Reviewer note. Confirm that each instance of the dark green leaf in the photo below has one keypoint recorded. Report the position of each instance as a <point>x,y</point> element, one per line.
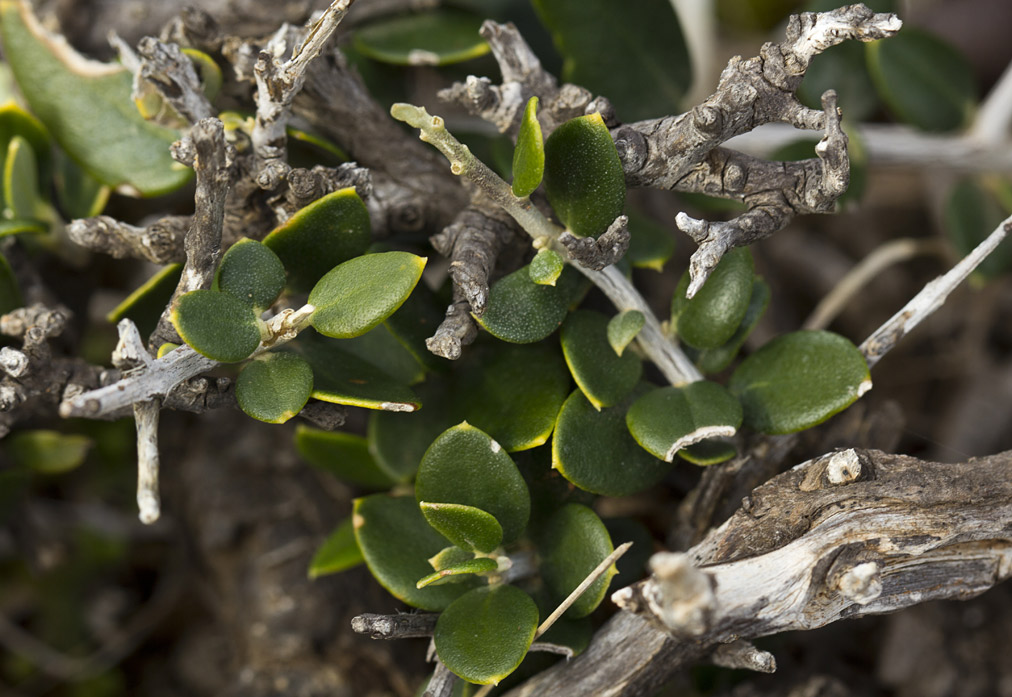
<point>80,195</point>
<point>20,179</point>
<point>604,377</point>
<point>339,552</point>
<point>521,311</point>
<point>322,235</point>
<point>397,543</point>
<point>584,180</point>
<point>529,155</point>
<point>87,106</point>
<point>572,544</point>
<point>623,328</point>
<point>973,210</point>
<point>357,295</point>
<point>345,455</point>
<point>632,566</point>
<point>594,450</point>
<point>484,635</point>
<point>49,452</point>
<point>251,272</point>
<point>398,441</point>
<point>923,80</point>
<point>145,305</point>
<point>274,387</point>
<point>710,318</point>
<point>546,266</point>
<point>464,465</point>
<point>15,121</point>
<point>481,565</point>
<point>634,53</point>
<point>671,418</point>
<point>217,325</point>
<point>10,295</point>
<point>466,527</point>
<point>381,348</point>
<point>415,321</point>
<point>711,451</point>
<point>435,37</point>
<point>717,359</point>
<point>799,380</point>
<point>650,244</point>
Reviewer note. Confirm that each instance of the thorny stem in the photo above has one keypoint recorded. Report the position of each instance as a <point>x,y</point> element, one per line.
<point>675,366</point>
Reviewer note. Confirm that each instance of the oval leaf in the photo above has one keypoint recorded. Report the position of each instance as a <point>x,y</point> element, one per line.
<point>436,37</point>
<point>20,179</point>
<point>345,455</point>
<point>521,311</point>
<point>594,450</point>
<point>484,635</point>
<point>397,543</point>
<point>529,154</point>
<point>584,180</point>
<point>339,552</point>
<point>623,328</point>
<point>717,359</point>
<point>49,452</point>
<point>799,380</point>
<point>711,451</point>
<point>710,318</point>
<point>573,543</point>
<point>481,565</point>
<point>251,272</point>
<point>671,418</point>
<point>327,232</point>
<point>398,441</point>
<point>465,526</point>
<point>357,295</point>
<point>217,325</point>
<point>274,387</point>
<point>546,266</point>
<point>604,377</point>
<point>464,465</point>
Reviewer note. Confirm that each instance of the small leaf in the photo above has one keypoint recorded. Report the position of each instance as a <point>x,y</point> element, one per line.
<point>17,227</point>
<point>207,70</point>
<point>145,305</point>
<point>573,543</point>
<point>484,635</point>
<point>397,543</point>
<point>274,387</point>
<point>623,328</point>
<point>48,452</point>
<point>650,244</point>
<point>710,318</point>
<point>345,455</point>
<point>594,450</point>
<point>15,121</point>
<point>465,526</point>
<point>217,325</point>
<point>521,311</point>
<point>529,154</point>
<point>546,266</point>
<point>923,80</point>
<point>20,179</point>
<point>604,377</point>
<point>711,451</point>
<point>799,380</point>
<point>166,348</point>
<point>436,37</point>
<point>327,232</point>
<point>251,272</point>
<point>671,418</point>
<point>464,465</point>
<point>339,552</point>
<point>481,565</point>
<point>448,557</point>
<point>398,441</point>
<point>973,210</point>
<point>87,107</point>
<point>717,359</point>
<point>10,295</point>
<point>357,295</point>
<point>584,180</point>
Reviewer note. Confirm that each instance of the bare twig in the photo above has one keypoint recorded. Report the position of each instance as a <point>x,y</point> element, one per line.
<point>742,655</point>
<point>442,682</point>
<point>160,242</point>
<point>404,625</point>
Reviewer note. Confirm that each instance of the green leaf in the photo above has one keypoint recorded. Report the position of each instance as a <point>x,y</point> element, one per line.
<point>973,210</point>
<point>710,318</point>
<point>307,150</point>
<point>546,266</point>
<point>623,328</point>
<point>436,37</point>
<point>327,232</point>
<point>449,557</point>
<point>80,195</point>
<point>17,227</point>
<point>251,272</point>
<point>10,295</point>
<point>398,441</point>
<point>415,321</point>
<point>464,465</point>
<point>465,526</point>
<point>217,325</point>
<point>48,452</point>
<point>357,295</point>
<point>529,154</point>
<point>381,348</point>
<point>521,311</point>
<point>339,552</point>
<point>923,80</point>
<point>484,635</point>
<point>20,179</point>
<point>274,387</point>
<point>671,418</point>
<point>345,455</point>
<point>573,543</point>
<point>650,244</point>
<point>145,305</point>
<point>594,450</point>
<point>711,451</point>
<point>717,359</point>
<point>397,543</point>
<point>15,121</point>
<point>481,565</point>
<point>87,107</point>
<point>584,180</point>
<point>799,380</point>
<point>604,377</point>
<point>633,52</point>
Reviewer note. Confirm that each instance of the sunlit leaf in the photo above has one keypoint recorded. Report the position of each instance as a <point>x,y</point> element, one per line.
<point>217,325</point>
<point>20,179</point>
<point>546,266</point>
<point>339,552</point>
<point>529,154</point>
<point>15,121</point>
<point>435,37</point>
<point>274,387</point>
<point>465,526</point>
<point>572,544</point>
<point>668,419</point>
<point>449,574</point>
<point>623,328</point>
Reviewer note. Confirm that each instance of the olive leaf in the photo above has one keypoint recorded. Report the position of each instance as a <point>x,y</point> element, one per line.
<point>274,387</point>
<point>339,552</point>
<point>529,154</point>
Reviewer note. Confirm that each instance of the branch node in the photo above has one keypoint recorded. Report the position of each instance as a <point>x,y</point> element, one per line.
<point>862,583</point>
<point>604,251</point>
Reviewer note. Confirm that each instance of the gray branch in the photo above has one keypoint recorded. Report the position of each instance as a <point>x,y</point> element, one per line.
<point>403,625</point>
<point>166,70</point>
<point>160,242</point>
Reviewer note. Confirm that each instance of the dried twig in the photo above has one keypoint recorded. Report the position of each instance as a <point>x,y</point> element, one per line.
<point>160,242</point>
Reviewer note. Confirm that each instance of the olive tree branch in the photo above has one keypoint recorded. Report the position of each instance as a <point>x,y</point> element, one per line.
<point>675,366</point>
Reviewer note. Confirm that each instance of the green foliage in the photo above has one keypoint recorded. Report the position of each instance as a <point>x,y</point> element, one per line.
<point>584,180</point>
<point>20,179</point>
<point>650,245</point>
<point>45,451</point>
<point>217,325</point>
<point>274,387</point>
<point>603,376</point>
<point>346,456</point>
<point>623,328</point>
<point>339,552</point>
<point>975,207</point>
<point>710,318</point>
<point>546,267</point>
<point>479,565</point>
<point>467,527</point>
<point>144,306</point>
<point>436,37</point>
<point>251,272</point>
<point>572,544</point>
<point>529,154</point>
<point>714,360</point>
<point>522,311</point>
